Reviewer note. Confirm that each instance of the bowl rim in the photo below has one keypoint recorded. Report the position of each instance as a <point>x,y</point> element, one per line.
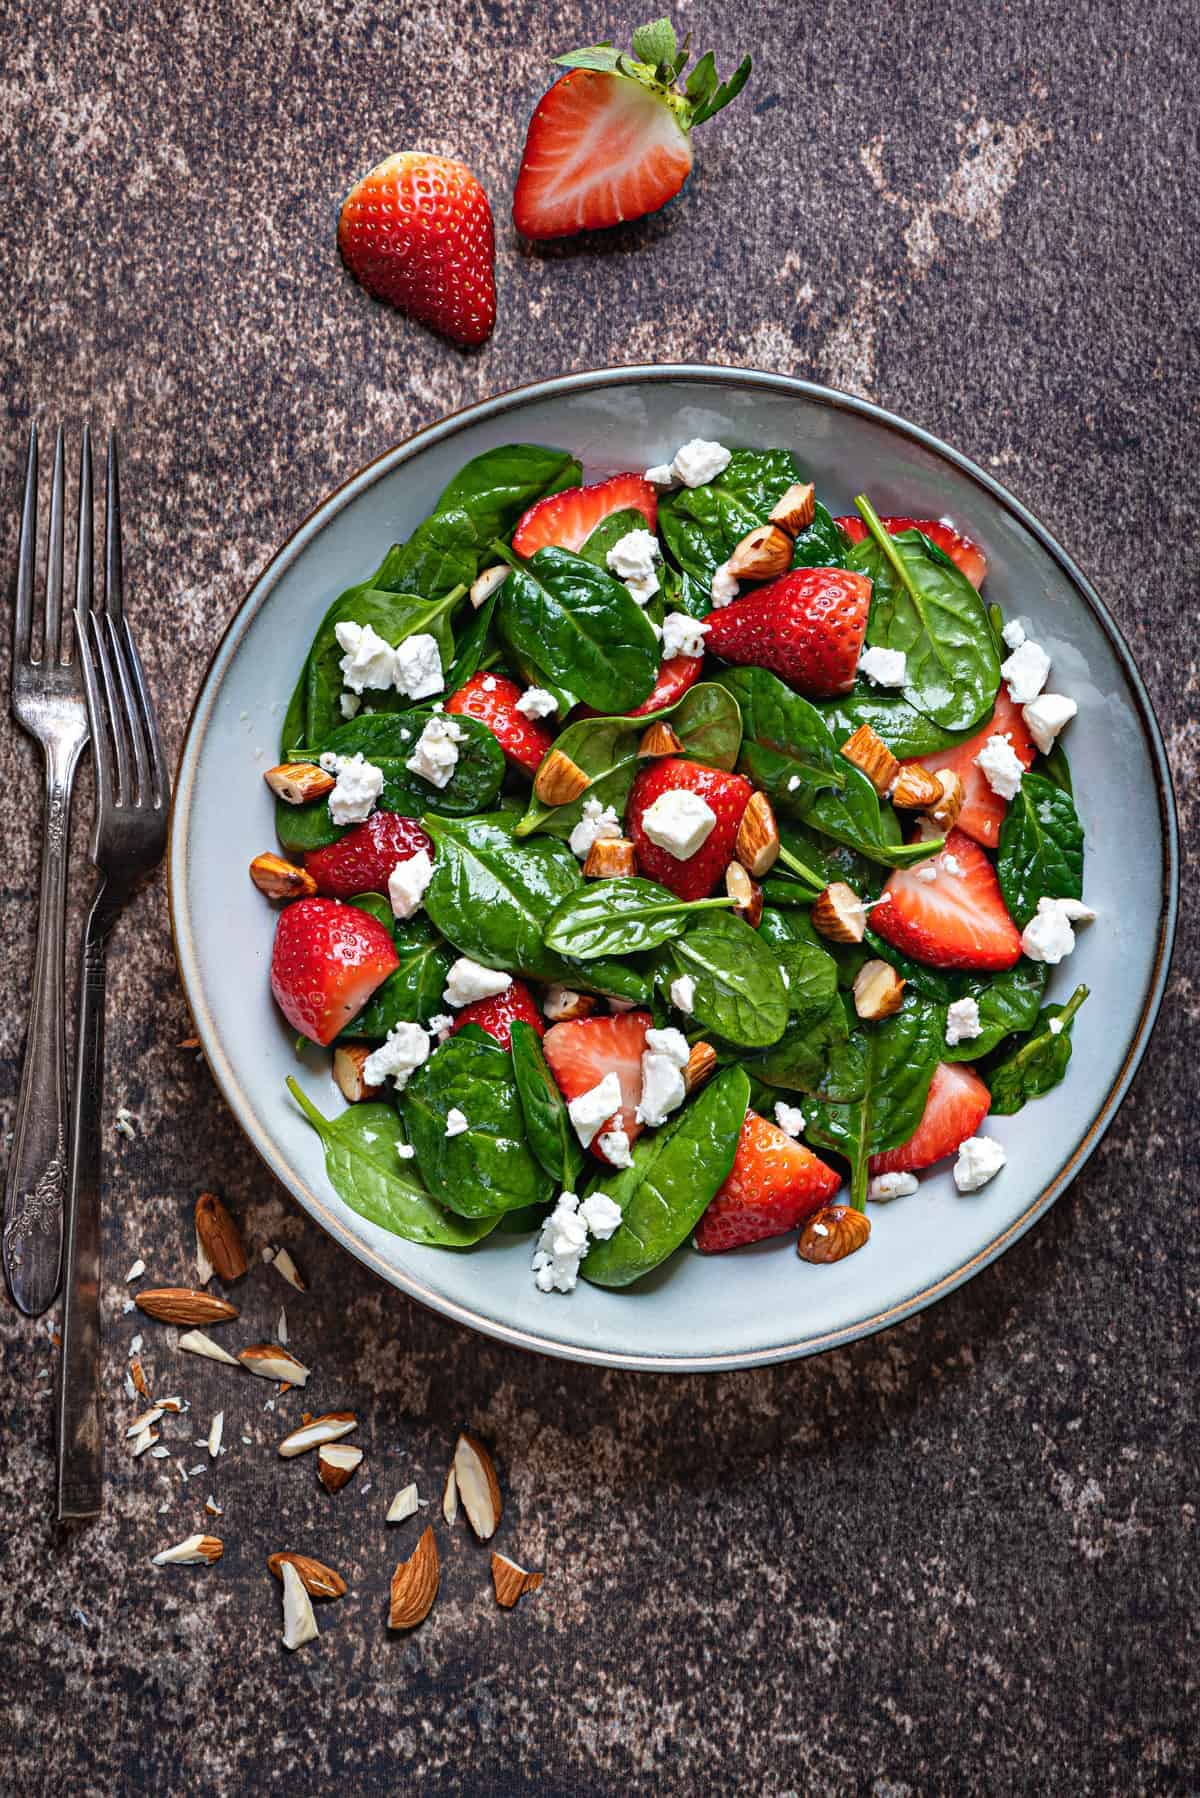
<point>512,400</point>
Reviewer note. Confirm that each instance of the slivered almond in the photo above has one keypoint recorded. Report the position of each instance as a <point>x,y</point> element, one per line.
<point>349,1060</point>
<point>795,508</point>
<point>915,789</point>
<point>336,1463</point>
<point>174,1405</point>
<point>192,1550</point>
<point>279,879</point>
<point>222,1241</point>
<point>415,1584</point>
<point>746,894</point>
<point>867,751</point>
<point>660,739</point>
<point>138,1376</point>
<point>878,991</point>
<point>404,1505</point>
<point>701,1063</point>
<point>833,1233</point>
<point>512,1582</point>
<point>478,1487</point>
<point>144,1439</point>
<point>450,1498</point>
<point>271,1362</point>
<point>315,1431</point>
<point>559,780</point>
<point>144,1421</point>
<point>485,584</point>
<point>286,1268</point>
<point>762,553</point>
<point>318,1580</point>
<point>757,842</point>
<point>561,1004</point>
<point>839,914</point>
<point>299,1623</point>
<point>204,1267</point>
<point>945,812</point>
<point>185,1305</point>
<point>296,783</point>
<point>610,858</point>
<point>195,1342</point>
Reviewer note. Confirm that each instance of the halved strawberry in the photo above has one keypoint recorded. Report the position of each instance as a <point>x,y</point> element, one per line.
<point>966,555</point>
<point>953,921</point>
<point>773,1185</point>
<point>725,794</point>
<point>674,678</point>
<point>327,960</point>
<point>581,1053</point>
<point>957,1104</point>
<point>807,627</point>
<point>983,811</point>
<point>492,698</point>
<point>567,519</point>
<point>362,860</point>
<point>498,1014</point>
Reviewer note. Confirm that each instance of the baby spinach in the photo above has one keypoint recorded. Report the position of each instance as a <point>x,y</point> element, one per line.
<point>925,606</point>
<point>1008,1002</point>
<point>1040,855</point>
<point>491,895</point>
<point>739,991</point>
<point>412,993</point>
<point>822,544</point>
<point>367,1174</point>
<point>548,1128</point>
<point>620,917</point>
<point>800,1060</point>
<point>786,746</point>
<point>906,731</point>
<point>488,1167</point>
<point>1038,1064</point>
<point>472,645</point>
<point>581,625</point>
<point>394,616</point>
<point>812,976</point>
<point>675,1174</point>
<point>897,1058</point>
<point>702,526</point>
<point>1056,768</point>
<point>855,817</point>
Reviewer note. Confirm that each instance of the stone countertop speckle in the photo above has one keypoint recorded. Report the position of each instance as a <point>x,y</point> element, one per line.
<point>958,1557</point>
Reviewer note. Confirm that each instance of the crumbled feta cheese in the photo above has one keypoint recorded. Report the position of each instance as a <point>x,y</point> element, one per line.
<point>1001,766</point>
<point>440,1025</point>
<point>683,993</point>
<point>679,822</point>
<point>1056,1025</point>
<point>359,784</point>
<point>962,1021</point>
<point>601,1214</point>
<point>724,587</point>
<point>598,821</point>
<point>1076,911</point>
<point>535,703</point>
<point>369,660</point>
<point>1025,671</point>
<point>1046,716</point>
<point>891,1186</point>
<point>595,1107</point>
<point>951,865</point>
<point>632,560</point>
<point>405,1151</point>
<point>419,666</point>
<point>663,1060</point>
<point>683,635</point>
<point>407,883</point>
<point>614,1146</point>
<point>790,1118</point>
<point>561,1247</point>
<point>1048,936</point>
<point>885,667</point>
<point>1013,633</point>
<point>402,1051</point>
<point>489,683</point>
<point>699,461</point>
<point>456,1122</point>
<point>436,754</point>
<point>349,704</point>
<point>468,981</point>
<point>330,760</point>
<point>980,1159</point>
<point>926,872</point>
<point>661,475</point>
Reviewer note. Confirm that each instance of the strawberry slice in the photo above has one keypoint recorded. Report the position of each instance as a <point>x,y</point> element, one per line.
<point>953,921</point>
<point>492,698</point>
<point>362,860</point>
<point>966,555</point>
<point>807,627</point>
<point>725,794</point>
<point>498,1014</point>
<point>957,1104</point>
<point>579,1054</point>
<point>327,960</point>
<point>567,519</point>
<point>773,1185</point>
<point>674,678</point>
<point>983,810</point>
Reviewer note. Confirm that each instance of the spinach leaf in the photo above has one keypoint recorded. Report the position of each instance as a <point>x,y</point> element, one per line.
<point>530,671</point>
<point>739,991</point>
<point>702,526</point>
<point>906,731</point>
<point>367,1174</point>
<point>676,1172</point>
<point>412,993</point>
<point>491,895</point>
<point>548,1128</point>
<point>394,616</point>
<point>940,984</point>
<point>1040,855</point>
<point>488,1167</point>
<point>608,532</point>
<point>925,606</point>
<point>786,747</point>
<point>581,625</point>
<point>897,1058</point>
<point>856,818</point>
<point>1056,768</point>
<point>483,501</point>
<point>847,957</point>
<point>823,544</point>
<point>1008,1002</point>
<point>620,917</point>
<point>800,1060</point>
<point>1039,1063</point>
<point>472,646</point>
<point>812,975</point>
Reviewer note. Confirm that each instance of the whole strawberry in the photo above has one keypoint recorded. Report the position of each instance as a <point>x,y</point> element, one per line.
<point>417,231</point>
<point>725,795</point>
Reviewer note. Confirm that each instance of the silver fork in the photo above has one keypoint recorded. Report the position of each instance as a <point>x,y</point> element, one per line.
<point>47,700</point>
<point>128,840</point>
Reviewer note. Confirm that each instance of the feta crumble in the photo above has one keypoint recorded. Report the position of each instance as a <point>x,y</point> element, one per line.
<point>601,1215</point>
<point>980,1159</point>
<point>683,635</point>
<point>891,1186</point>
<point>419,666</point>
<point>405,1151</point>
<point>926,872</point>
<point>661,475</point>
<point>614,1146</point>
<point>1048,936</point>
<point>663,1091</point>
<point>456,1122</point>
<point>561,1247</point>
<point>1056,1025</point>
<point>683,993</point>
<point>699,461</point>
<point>598,821</point>
<point>1013,634</point>
<point>359,784</point>
<point>790,1118</point>
<point>440,1025</point>
<point>402,1051</point>
<point>1001,766</point>
<point>536,703</point>
<point>436,754</point>
<point>468,981</point>
<point>632,560</point>
<point>407,883</point>
<point>884,667</point>
<point>369,660</point>
<point>724,587</point>
<point>349,705</point>
<point>962,1021</point>
<point>951,865</point>
<point>679,822</point>
<point>595,1107</point>
<point>1046,716</point>
<point>1025,671</point>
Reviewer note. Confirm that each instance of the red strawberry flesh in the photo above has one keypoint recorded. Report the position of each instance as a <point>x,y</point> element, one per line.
<point>580,1053</point>
<point>725,794</point>
<point>566,520</point>
<point>957,1104</point>
<point>983,810</point>
<point>807,627</point>
<point>773,1185</point>
<point>362,860</point>
<point>498,1014</point>
<point>492,698</point>
<point>327,960</point>
<point>953,921</point>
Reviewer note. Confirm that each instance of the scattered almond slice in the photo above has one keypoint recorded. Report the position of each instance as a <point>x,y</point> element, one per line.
<point>317,1432</point>
<point>450,1498</point>
<point>336,1462</point>
<point>144,1421</point>
<point>299,1623</point>
<point>195,1342</point>
<point>478,1487</point>
<point>272,1362</point>
<point>135,1272</point>
<point>281,1329</point>
<point>172,1404</point>
<point>192,1550</point>
<point>319,1581</point>
<point>144,1439</point>
<point>512,1582</point>
<point>138,1376</point>
<point>415,1584</point>
<point>204,1267</point>
<point>213,1508</point>
<point>404,1505</point>
<point>283,1264</point>
<point>216,1430</point>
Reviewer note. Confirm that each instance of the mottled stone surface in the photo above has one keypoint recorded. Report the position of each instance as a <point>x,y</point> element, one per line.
<point>959,1557</point>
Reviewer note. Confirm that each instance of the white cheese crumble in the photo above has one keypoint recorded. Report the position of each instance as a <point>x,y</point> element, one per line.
<point>614,1146</point>
<point>1025,671</point>
<point>790,1118</point>
<point>349,705</point>
<point>951,865</point>
<point>440,1025</point>
<point>601,1215</point>
<point>679,822</point>
<point>891,1186</point>
<point>402,1051</point>
<point>419,666</point>
<point>561,1247</point>
<point>1048,936</point>
<point>663,1061</point>
<point>369,660</point>
<point>536,703</point>
<point>436,754</point>
<point>962,1021</point>
<point>359,784</point>
<point>407,883</point>
<point>598,821</point>
<point>1046,716</point>
<point>699,461</point>
<point>468,981</point>
<point>595,1107</point>
<point>405,1151</point>
<point>683,635</point>
<point>1056,1025</point>
<point>926,872</point>
<point>1001,766</point>
<point>724,588</point>
<point>456,1122</point>
<point>1013,633</point>
<point>683,993</point>
<point>632,560</point>
<point>661,475</point>
<point>884,667</point>
<point>980,1159</point>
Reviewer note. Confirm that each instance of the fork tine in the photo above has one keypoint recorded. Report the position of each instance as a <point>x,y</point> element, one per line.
<point>131,718</point>
<point>112,705</point>
<point>83,532</point>
<point>27,555</point>
<point>52,627</point>
<point>101,765</point>
<point>158,773</point>
<point>114,602</point>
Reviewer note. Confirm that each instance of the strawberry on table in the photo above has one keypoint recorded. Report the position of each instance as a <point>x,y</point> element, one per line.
<point>773,1185</point>
<point>807,627</point>
<point>492,698</point>
<point>611,140</point>
<point>417,231</point>
<point>726,795</point>
<point>957,1104</point>
<point>956,920</point>
<point>497,1015</point>
<point>327,960</point>
<point>580,1053</point>
<point>966,556</point>
<point>362,860</point>
<point>983,810</point>
<point>567,519</point>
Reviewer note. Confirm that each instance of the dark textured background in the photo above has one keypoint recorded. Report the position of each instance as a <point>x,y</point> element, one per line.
<point>958,1557</point>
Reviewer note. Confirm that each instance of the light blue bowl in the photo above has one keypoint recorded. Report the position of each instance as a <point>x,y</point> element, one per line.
<point>761,1304</point>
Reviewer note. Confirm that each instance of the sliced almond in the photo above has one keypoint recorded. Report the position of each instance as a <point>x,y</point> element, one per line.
<point>336,1464</point>
<point>701,1063</point>
<point>562,1004</point>
<point>216,1430</point>
<point>314,1432</point>
<point>349,1060</point>
<point>485,583</point>
<point>271,1362</point>
<point>299,1623</point>
<point>185,1305</point>
<point>217,1231</point>
<point>762,553</point>
<point>795,508</point>
<point>287,1269</point>
<point>279,879</point>
<point>192,1550</point>
<point>145,1420</point>
<point>878,991</point>
<point>660,739</point>
<point>204,1267</point>
<point>318,1580</point>
<point>915,789</point>
<point>176,1405</point>
<point>833,1233</point>
<point>195,1342</point>
<point>757,842</point>
<point>559,780</point>
<point>145,1438</point>
<point>141,1384</point>
<point>450,1498</point>
<point>610,858</point>
<point>945,813</point>
<point>405,1504</point>
<point>839,914</point>
<point>296,783</point>
<point>746,894</point>
<point>415,1584</point>
<point>512,1582</point>
<point>867,750</point>
<point>478,1487</point>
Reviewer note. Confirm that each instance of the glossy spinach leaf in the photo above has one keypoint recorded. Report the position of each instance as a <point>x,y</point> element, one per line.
<point>676,1172</point>
<point>620,917</point>
<point>906,731</point>
<point>1038,1064</point>
<point>1040,854</point>
<point>1056,768</point>
<point>367,1174</point>
<point>548,1128</point>
<point>491,895</point>
<point>702,526</point>
<point>529,671</point>
<point>786,747</point>
<point>472,645</point>
<point>847,957</point>
<point>823,544</point>
<point>938,984</point>
<point>1008,1003</point>
<point>739,991</point>
<point>855,816</point>
<point>488,1167</point>
<point>800,1060</point>
<point>394,616</point>
<point>412,993</point>
<point>895,1064</point>
<point>582,626</point>
<point>608,532</point>
<point>812,975</point>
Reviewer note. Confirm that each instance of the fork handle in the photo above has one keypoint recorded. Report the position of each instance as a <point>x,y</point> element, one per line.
<point>35,1187</point>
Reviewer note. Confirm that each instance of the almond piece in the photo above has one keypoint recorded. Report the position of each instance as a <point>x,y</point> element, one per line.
<point>299,1623</point>
<point>287,1270</point>
<point>184,1305</point>
<point>349,1060</point>
<point>221,1239</point>
<point>296,783</point>
<point>610,858</point>
<point>195,1342</point>
<point>486,582</point>
<point>946,811</point>
<point>660,739</point>
<point>317,1579</point>
<point>562,1004</point>
<point>279,879</point>
<point>878,991</point>
<point>192,1550</point>
<point>867,751</point>
<point>271,1362</point>
<point>701,1063</point>
<point>762,553</point>
<point>144,1421</point>
<point>336,1463</point>
<point>415,1584</point>
<point>138,1376</point>
<point>450,1498</point>
<point>478,1487</point>
<point>833,1233</point>
<point>316,1431</point>
<point>915,790</point>
<point>405,1504</point>
<point>795,508</point>
<point>746,894</point>
<point>839,914</point>
<point>511,1581</point>
<point>757,842</point>
<point>559,780</point>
